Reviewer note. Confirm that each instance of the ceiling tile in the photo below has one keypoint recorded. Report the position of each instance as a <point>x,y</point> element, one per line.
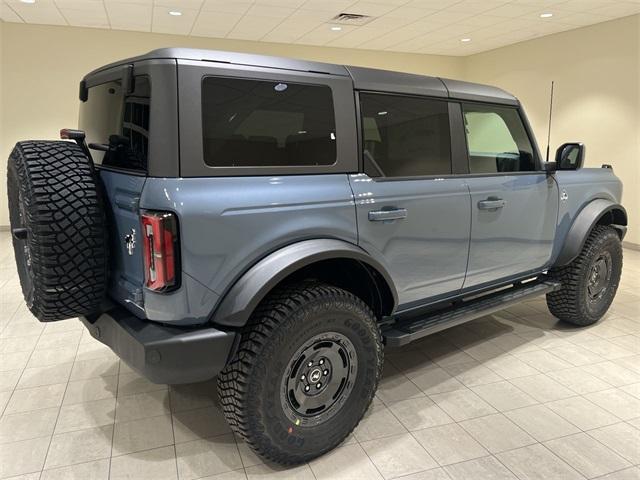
<point>411,13</point>
<point>8,15</point>
<point>251,27</point>
<point>333,6</point>
<point>358,37</point>
<point>215,24</point>
<point>618,9</point>
<point>46,13</point>
<point>95,17</point>
<point>281,3</point>
<point>323,34</point>
<point>239,7</point>
<point>129,16</point>
<point>512,10</point>
<point>421,26</point>
<point>179,4</point>
<point>178,25</point>
<point>369,8</point>
<point>270,11</point>
<point>475,6</point>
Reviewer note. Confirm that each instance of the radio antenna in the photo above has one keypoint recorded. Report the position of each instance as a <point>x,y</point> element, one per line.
<point>550,113</point>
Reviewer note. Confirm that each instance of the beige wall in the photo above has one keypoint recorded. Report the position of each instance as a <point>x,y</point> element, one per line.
<point>596,69</point>
<point>597,94</point>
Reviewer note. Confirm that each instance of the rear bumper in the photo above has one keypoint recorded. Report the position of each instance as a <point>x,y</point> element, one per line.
<point>162,353</point>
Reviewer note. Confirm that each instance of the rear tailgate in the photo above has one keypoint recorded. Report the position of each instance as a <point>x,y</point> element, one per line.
<point>123,192</point>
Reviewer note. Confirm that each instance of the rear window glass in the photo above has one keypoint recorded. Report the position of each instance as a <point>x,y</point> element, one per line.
<point>253,123</point>
<point>117,125</point>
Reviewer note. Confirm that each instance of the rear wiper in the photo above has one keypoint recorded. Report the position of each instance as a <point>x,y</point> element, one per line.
<point>115,141</point>
<point>103,147</point>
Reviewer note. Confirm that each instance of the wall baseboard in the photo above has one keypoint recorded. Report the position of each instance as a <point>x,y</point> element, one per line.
<point>631,246</point>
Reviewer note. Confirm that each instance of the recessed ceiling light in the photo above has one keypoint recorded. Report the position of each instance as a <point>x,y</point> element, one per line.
<point>546,15</point>
<point>383,113</point>
<point>175,13</point>
<point>336,28</point>
<point>28,1</point>
<point>465,40</point>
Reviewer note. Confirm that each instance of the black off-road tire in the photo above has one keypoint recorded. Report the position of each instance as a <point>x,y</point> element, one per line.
<point>251,386</point>
<point>572,303</point>
<point>59,234</point>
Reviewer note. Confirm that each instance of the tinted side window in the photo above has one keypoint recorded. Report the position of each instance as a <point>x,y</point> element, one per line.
<point>497,140</point>
<point>405,136</point>
<point>118,123</point>
<point>251,123</point>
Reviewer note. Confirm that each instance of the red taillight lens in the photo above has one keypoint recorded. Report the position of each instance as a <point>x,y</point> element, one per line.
<point>160,243</point>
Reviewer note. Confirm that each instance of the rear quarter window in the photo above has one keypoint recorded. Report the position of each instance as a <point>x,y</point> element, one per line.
<point>117,124</point>
<point>257,123</point>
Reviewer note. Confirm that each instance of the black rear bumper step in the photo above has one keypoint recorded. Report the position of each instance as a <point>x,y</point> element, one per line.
<point>406,331</point>
<point>162,353</point>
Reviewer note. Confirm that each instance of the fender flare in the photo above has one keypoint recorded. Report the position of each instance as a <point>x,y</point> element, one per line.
<point>584,222</point>
<point>244,296</point>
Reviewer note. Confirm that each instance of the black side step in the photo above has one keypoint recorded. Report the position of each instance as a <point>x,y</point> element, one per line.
<point>405,331</point>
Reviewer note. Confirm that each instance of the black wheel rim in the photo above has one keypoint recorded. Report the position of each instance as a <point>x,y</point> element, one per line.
<point>318,379</point>
<point>599,277</point>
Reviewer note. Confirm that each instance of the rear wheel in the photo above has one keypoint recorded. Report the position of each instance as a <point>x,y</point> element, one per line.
<point>306,370</point>
<point>590,282</point>
<point>58,227</point>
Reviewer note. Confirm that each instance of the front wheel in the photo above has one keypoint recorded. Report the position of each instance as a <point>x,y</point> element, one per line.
<point>590,281</point>
<point>306,370</point>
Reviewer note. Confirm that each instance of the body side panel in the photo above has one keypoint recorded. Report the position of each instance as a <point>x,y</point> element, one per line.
<point>227,224</point>
<point>577,189</point>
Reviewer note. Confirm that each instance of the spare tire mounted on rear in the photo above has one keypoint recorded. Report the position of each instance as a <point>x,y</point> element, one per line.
<point>58,226</point>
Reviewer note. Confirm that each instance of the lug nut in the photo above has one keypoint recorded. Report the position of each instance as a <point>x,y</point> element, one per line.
<point>310,364</point>
<point>306,388</point>
<point>326,372</point>
<point>318,385</point>
<point>321,361</point>
<point>303,377</point>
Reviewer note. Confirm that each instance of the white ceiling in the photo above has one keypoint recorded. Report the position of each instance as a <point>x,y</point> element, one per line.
<point>417,26</point>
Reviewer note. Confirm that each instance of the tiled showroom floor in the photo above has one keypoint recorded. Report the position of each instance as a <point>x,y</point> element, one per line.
<point>513,395</point>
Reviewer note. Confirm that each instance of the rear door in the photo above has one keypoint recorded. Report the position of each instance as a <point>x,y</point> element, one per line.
<point>514,204</point>
<point>413,214</point>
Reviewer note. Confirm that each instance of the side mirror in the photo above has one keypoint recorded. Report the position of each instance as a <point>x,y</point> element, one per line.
<point>570,156</point>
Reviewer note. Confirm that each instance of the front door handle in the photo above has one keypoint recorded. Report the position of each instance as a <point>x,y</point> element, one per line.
<point>491,203</point>
<point>385,215</point>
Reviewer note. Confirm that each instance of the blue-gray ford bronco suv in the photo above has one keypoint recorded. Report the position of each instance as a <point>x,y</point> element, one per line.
<point>276,222</point>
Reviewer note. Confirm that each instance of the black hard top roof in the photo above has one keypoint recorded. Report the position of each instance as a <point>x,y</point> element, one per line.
<point>363,78</point>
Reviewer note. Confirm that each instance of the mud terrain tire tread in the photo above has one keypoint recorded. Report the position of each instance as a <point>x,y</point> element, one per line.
<point>273,318</point>
<point>66,228</point>
<point>569,303</point>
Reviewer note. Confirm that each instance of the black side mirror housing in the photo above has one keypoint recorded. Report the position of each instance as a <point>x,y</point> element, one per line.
<point>570,156</point>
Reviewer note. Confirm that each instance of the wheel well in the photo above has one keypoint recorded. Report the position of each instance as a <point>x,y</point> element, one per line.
<point>615,216</point>
<point>354,276</point>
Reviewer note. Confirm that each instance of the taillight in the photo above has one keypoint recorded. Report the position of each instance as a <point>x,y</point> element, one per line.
<point>160,246</point>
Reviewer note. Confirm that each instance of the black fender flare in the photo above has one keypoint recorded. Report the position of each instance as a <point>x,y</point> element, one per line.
<point>244,296</point>
<point>584,222</point>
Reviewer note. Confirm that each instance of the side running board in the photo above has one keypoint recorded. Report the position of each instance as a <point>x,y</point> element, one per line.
<point>408,330</point>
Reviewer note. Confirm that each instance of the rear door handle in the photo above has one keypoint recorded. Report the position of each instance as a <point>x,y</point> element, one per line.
<point>491,203</point>
<point>384,215</point>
